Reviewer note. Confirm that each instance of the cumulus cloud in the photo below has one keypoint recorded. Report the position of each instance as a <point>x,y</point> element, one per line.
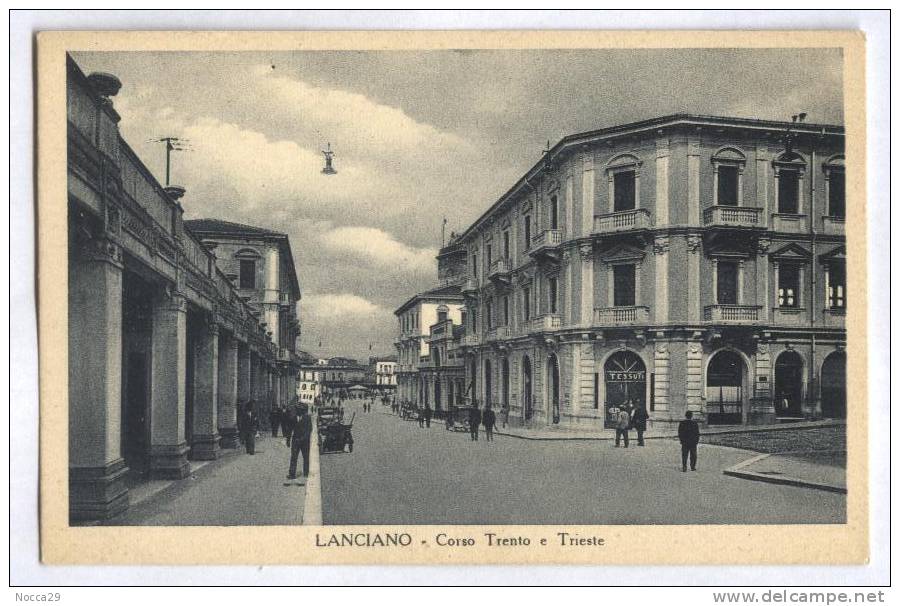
<point>339,305</point>
<point>380,248</point>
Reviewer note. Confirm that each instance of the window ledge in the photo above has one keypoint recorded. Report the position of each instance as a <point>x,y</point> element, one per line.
<point>836,311</point>
<point>790,310</point>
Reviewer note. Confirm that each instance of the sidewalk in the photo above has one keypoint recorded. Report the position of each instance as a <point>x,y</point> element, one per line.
<point>823,471</point>
<point>667,430</point>
<point>236,489</point>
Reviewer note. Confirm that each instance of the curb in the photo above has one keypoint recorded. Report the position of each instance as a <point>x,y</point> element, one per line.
<point>736,471</point>
<point>312,504</point>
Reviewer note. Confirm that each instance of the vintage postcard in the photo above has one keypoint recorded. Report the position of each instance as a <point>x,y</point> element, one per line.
<point>452,297</point>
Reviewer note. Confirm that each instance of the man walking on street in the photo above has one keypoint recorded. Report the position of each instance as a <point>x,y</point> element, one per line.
<point>275,420</point>
<point>250,426</point>
<point>689,436</point>
<point>489,419</point>
<point>623,419</point>
<point>300,436</point>
<point>474,422</point>
<point>427,415</point>
<point>639,421</point>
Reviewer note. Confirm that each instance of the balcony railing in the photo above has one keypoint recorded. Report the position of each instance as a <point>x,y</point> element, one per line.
<point>546,322</point>
<point>284,354</point>
<point>548,237</point>
<point>499,268</point>
<point>469,286</point>
<point>792,224</point>
<point>284,299</point>
<point>497,333</point>
<point>639,218</point>
<point>621,316</point>
<point>733,216</point>
<point>731,313</point>
<point>470,340</point>
<point>833,226</point>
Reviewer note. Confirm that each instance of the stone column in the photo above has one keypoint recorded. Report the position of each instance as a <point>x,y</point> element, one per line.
<point>694,181</point>
<point>662,181</point>
<point>661,292</point>
<point>205,438</point>
<point>96,468</point>
<point>226,415</point>
<point>254,377</point>
<point>587,194</point>
<point>168,448</point>
<point>693,263</point>
<point>244,373</point>
<point>587,284</point>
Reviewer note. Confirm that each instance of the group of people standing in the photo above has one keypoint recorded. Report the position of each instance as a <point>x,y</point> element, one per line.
<point>488,418</point>
<point>631,416</point>
<point>294,422</point>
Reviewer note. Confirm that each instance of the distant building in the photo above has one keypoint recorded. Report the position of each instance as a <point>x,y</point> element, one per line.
<point>334,376</point>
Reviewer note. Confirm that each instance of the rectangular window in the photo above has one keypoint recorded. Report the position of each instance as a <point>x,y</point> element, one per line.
<point>788,286</point>
<point>506,245</point>
<point>489,256</point>
<point>623,191</point>
<point>462,318</point>
<point>526,304</point>
<point>728,185</point>
<point>551,294</point>
<point>248,274</point>
<point>596,391</point>
<point>623,285</point>
<point>489,313</point>
<point>554,213</point>
<point>836,194</point>
<point>475,267</point>
<point>788,192</point>
<point>474,321</point>
<point>726,283</point>
<point>837,286</point>
<point>506,311</point>
<point>527,232</point>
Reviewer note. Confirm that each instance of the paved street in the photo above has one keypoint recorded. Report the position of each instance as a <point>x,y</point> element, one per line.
<point>399,473</point>
<point>235,490</point>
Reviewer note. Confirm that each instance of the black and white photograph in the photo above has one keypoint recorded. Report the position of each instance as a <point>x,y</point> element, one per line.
<point>446,298</point>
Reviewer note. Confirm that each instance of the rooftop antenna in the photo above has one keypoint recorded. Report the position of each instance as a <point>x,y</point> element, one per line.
<point>172,144</point>
<point>329,169</point>
<point>546,153</point>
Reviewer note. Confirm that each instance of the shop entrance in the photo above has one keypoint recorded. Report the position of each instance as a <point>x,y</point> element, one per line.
<point>527,405</point>
<point>789,385</point>
<point>725,389</point>
<point>553,386</point>
<point>626,384</point>
<point>834,386</point>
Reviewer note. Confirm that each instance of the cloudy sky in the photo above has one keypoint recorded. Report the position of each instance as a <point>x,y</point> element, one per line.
<point>418,136</point>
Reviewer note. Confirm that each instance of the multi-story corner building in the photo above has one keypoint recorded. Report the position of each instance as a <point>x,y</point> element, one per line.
<point>442,374</point>
<point>415,318</point>
<point>260,264</point>
<point>384,371</point>
<point>310,384</point>
<point>162,346</point>
<point>333,376</point>
<point>684,263</point>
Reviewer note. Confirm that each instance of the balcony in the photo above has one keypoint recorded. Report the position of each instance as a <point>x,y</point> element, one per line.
<point>284,299</point>
<point>546,244</point>
<point>833,226</point>
<point>499,271</point>
<point>469,287</point>
<point>631,315</point>
<point>790,224</point>
<point>625,220</point>
<point>469,340</point>
<point>284,354</point>
<point>546,322</point>
<point>498,333</point>
<point>731,314</point>
<point>732,216</point>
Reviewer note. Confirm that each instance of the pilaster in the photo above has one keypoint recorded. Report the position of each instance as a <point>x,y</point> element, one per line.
<point>226,416</point>
<point>205,438</point>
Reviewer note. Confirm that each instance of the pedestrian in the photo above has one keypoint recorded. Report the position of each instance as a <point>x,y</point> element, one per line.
<point>489,419</point>
<point>420,416</point>
<point>623,419</point>
<point>639,421</point>
<point>275,420</point>
<point>427,415</point>
<point>474,422</point>
<point>240,421</point>
<point>689,436</point>
<point>286,420</point>
<point>504,414</point>
<point>250,426</point>
<point>300,437</point>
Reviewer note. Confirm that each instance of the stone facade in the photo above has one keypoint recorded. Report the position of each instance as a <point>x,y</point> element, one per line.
<point>162,347</point>
<point>682,263</point>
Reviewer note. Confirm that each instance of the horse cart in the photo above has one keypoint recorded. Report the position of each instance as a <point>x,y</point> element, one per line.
<point>334,434</point>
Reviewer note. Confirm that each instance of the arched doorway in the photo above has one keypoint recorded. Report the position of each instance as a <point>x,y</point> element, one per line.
<point>834,386</point>
<point>504,387</point>
<point>625,378</point>
<point>725,389</point>
<point>553,386</point>
<point>789,385</point>
<point>487,382</point>
<point>527,400</point>
<point>437,394</point>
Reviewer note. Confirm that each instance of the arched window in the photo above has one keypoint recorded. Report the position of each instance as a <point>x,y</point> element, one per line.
<point>624,175</point>
<point>835,187</point>
<point>728,177</point>
<point>790,168</point>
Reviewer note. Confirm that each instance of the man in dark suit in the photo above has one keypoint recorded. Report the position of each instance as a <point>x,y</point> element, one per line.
<point>301,431</point>
<point>489,419</point>
<point>474,422</point>
<point>250,426</point>
<point>689,436</point>
<point>639,418</point>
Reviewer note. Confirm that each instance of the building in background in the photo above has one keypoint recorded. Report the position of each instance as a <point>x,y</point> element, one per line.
<point>384,371</point>
<point>329,377</point>
<point>681,263</point>
<point>260,264</point>
<point>163,346</point>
